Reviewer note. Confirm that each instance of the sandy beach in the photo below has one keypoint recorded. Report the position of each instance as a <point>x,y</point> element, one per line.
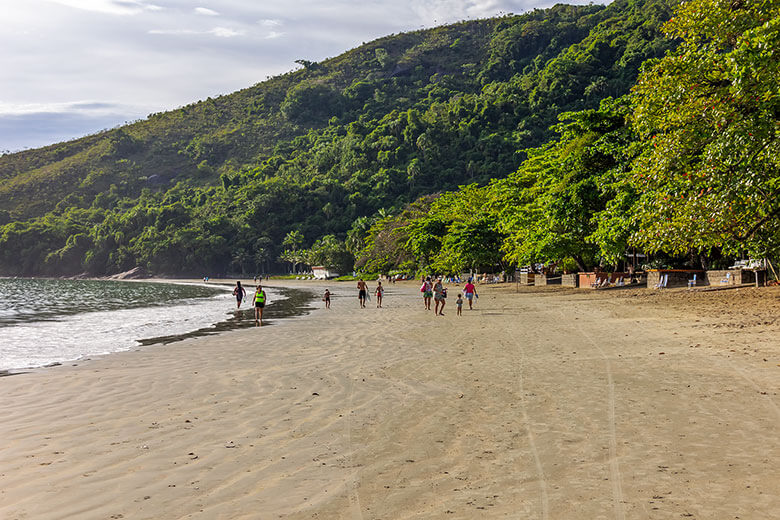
<point>537,404</point>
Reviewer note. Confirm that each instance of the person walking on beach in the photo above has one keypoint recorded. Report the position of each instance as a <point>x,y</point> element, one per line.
<point>326,298</point>
<point>459,303</point>
<point>439,297</point>
<point>362,293</point>
<point>240,294</point>
<point>260,301</point>
<point>427,290</point>
<point>470,292</point>
<point>380,291</point>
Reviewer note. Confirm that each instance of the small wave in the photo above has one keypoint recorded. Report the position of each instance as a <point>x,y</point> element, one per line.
<point>35,339</point>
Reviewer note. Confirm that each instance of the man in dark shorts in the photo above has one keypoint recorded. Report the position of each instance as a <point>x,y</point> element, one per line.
<point>362,292</point>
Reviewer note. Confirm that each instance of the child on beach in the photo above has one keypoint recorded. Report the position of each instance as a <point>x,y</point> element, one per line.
<point>326,299</point>
<point>379,292</point>
<point>459,303</point>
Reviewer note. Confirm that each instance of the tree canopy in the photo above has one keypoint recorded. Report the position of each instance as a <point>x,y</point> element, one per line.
<point>711,110</point>
<point>685,166</point>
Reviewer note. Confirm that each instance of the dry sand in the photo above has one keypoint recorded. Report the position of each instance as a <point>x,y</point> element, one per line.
<point>543,404</point>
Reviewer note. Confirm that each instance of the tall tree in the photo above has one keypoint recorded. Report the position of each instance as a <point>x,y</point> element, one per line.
<point>292,253</point>
<point>711,109</point>
<point>547,207</point>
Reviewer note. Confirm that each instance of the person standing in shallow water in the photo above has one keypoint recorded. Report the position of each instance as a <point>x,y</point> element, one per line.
<point>362,293</point>
<point>326,298</point>
<point>240,293</point>
<point>260,301</point>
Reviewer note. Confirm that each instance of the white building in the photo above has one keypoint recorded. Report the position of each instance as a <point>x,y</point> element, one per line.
<point>323,273</point>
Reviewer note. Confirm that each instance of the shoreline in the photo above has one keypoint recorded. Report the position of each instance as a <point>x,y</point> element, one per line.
<point>293,303</point>
<point>547,404</point>
<point>286,303</point>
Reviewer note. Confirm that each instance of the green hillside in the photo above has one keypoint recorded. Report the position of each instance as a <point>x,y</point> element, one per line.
<point>218,185</point>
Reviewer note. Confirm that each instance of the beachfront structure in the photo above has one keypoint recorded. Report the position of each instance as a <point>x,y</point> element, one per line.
<point>324,273</point>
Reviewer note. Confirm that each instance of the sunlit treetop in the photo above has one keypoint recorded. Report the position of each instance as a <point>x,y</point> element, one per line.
<point>710,115</point>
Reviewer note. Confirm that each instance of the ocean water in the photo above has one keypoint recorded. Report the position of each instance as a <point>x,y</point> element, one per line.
<point>44,321</point>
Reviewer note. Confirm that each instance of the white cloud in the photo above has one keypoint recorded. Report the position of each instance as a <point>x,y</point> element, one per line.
<point>118,7</point>
<point>219,32</point>
<point>39,124</point>
<point>36,108</point>
<point>82,108</point>
<point>173,32</point>
<point>205,11</point>
<point>225,32</point>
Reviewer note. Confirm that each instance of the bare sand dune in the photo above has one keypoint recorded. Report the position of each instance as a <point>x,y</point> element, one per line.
<point>545,405</point>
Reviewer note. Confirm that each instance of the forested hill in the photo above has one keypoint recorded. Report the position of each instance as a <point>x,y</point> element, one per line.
<point>219,184</point>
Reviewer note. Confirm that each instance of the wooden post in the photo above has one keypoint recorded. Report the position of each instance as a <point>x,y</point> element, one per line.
<point>772,268</point>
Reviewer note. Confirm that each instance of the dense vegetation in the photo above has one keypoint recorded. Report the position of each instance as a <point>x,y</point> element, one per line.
<point>349,158</point>
<point>686,167</point>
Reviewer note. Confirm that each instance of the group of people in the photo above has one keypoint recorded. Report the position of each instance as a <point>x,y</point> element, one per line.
<point>362,288</point>
<point>260,299</point>
<point>431,290</point>
<point>435,290</point>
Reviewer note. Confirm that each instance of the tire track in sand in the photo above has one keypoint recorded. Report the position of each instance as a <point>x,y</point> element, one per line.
<point>352,483</point>
<point>540,475</point>
<point>614,467</point>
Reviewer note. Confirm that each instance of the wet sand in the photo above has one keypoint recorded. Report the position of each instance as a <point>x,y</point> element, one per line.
<point>548,404</point>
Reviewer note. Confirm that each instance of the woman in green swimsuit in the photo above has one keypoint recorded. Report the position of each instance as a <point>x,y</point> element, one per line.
<point>260,301</point>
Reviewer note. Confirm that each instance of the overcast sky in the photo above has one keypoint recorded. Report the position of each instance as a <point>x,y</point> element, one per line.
<point>73,67</point>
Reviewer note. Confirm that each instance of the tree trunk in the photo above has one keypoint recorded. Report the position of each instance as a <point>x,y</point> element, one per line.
<point>580,263</point>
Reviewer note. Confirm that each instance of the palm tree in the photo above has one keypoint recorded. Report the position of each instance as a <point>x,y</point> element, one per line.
<point>292,243</point>
<point>293,240</point>
<point>240,258</point>
<point>356,236</point>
